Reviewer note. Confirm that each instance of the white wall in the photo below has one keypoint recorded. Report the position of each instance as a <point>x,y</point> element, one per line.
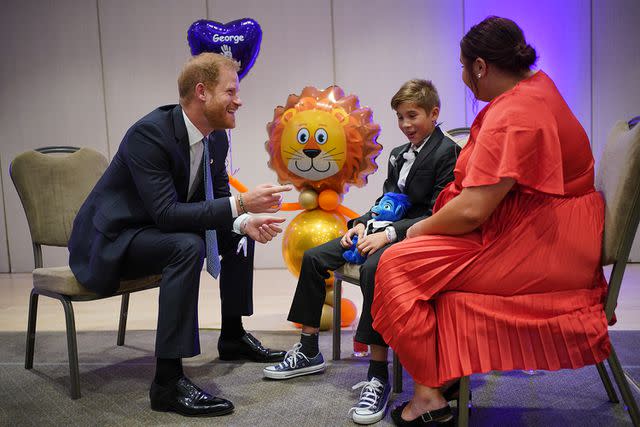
<point>79,72</point>
<point>51,87</point>
<point>616,71</point>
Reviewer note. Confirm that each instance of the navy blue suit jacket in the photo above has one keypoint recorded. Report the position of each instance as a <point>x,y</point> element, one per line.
<point>145,185</point>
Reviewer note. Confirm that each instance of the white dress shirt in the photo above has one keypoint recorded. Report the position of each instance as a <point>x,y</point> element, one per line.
<point>196,150</point>
<point>410,157</point>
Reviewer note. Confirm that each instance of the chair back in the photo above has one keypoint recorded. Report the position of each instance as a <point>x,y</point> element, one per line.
<point>459,135</point>
<point>618,179</point>
<point>52,183</point>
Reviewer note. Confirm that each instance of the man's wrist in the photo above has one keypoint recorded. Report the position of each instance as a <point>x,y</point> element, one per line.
<point>241,207</point>
<point>240,224</point>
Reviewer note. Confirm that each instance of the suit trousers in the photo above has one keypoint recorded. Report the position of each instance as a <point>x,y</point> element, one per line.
<point>306,307</point>
<point>179,257</point>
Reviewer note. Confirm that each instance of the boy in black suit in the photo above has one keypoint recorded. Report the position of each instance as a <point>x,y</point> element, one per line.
<point>420,169</point>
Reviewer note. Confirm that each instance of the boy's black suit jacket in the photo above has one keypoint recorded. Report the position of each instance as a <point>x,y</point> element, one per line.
<point>430,173</point>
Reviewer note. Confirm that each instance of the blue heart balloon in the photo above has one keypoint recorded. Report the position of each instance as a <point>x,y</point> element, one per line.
<point>239,39</point>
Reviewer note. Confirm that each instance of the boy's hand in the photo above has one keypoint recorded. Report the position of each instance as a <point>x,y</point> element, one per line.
<point>346,242</point>
<point>371,243</point>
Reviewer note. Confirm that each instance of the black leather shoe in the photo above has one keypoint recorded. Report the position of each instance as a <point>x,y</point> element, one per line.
<point>440,417</point>
<point>248,347</point>
<point>187,399</point>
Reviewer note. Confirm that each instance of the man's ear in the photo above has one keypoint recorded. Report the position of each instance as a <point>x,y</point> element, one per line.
<point>200,92</point>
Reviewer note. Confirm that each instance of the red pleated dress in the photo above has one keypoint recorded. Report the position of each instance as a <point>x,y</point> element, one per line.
<point>525,290</point>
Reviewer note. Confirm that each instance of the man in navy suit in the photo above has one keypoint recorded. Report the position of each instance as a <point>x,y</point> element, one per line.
<point>148,215</point>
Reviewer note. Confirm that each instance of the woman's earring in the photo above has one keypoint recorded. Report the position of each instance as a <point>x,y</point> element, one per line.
<point>479,75</point>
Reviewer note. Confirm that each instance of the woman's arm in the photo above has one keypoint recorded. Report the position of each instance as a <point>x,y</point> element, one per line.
<point>466,212</point>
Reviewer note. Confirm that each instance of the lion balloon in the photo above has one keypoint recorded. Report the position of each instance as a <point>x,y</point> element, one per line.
<point>321,142</point>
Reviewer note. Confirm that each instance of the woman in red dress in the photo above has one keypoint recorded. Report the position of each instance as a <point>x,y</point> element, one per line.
<point>519,230</point>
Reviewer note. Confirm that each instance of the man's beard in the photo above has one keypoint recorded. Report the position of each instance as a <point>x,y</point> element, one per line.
<point>217,117</point>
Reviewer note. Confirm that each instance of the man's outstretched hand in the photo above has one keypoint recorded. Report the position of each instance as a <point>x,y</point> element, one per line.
<point>265,198</point>
<point>263,228</point>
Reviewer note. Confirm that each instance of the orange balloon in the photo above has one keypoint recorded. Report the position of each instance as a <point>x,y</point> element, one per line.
<point>328,200</point>
<point>348,312</point>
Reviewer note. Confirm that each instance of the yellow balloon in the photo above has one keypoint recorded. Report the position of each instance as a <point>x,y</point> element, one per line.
<point>308,199</point>
<point>308,230</point>
<point>328,299</point>
<point>326,319</point>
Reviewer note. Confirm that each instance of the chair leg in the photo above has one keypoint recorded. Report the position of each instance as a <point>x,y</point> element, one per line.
<point>72,346</point>
<point>31,329</point>
<point>463,402</point>
<point>606,381</point>
<point>397,374</point>
<point>623,386</point>
<point>122,324</point>
<point>337,294</point>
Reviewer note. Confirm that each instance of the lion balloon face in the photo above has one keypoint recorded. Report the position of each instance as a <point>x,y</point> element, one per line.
<point>323,140</point>
<point>314,143</point>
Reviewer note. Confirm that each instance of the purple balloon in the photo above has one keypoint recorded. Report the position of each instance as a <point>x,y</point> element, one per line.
<point>239,39</point>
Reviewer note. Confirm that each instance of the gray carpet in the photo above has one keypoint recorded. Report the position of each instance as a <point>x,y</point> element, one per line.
<point>115,382</point>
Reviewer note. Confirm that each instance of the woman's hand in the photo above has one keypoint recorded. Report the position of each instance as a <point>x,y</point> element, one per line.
<point>346,241</point>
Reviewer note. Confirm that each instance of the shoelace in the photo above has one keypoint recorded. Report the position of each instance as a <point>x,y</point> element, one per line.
<point>292,356</point>
<point>371,392</point>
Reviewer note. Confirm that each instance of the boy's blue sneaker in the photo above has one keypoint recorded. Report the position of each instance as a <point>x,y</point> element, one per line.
<point>373,401</point>
<point>295,364</point>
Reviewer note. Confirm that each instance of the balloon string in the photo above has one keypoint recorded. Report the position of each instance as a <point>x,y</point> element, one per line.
<point>235,183</point>
<point>347,212</point>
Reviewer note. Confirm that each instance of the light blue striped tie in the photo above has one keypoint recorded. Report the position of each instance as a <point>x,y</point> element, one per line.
<point>213,258</point>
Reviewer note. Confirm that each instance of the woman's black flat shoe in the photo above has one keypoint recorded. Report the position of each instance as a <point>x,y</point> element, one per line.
<point>440,417</point>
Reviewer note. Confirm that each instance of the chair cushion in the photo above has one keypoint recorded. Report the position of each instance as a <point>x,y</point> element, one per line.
<point>62,281</point>
<point>350,271</point>
<point>618,179</point>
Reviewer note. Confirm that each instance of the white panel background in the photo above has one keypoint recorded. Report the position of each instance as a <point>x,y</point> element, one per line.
<point>51,74</point>
<point>616,71</point>
<point>143,50</point>
<point>55,54</point>
<point>559,31</point>
<point>295,52</point>
<point>379,46</point>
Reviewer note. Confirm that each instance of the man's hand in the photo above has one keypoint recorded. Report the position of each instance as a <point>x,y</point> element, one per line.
<point>346,241</point>
<point>262,228</point>
<point>265,198</point>
<point>370,243</point>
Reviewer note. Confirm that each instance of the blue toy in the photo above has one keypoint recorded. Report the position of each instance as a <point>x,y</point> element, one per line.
<point>390,208</point>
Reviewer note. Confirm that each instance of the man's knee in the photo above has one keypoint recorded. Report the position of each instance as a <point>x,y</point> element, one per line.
<point>189,246</point>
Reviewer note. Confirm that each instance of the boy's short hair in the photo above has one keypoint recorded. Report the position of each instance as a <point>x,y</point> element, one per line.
<point>419,91</point>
